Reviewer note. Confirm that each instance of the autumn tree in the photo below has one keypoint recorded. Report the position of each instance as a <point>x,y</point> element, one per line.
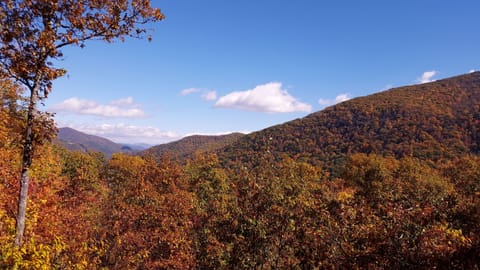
<point>276,220</point>
<point>214,212</point>
<point>81,201</point>
<point>464,173</point>
<point>32,35</point>
<point>402,214</point>
<point>146,222</point>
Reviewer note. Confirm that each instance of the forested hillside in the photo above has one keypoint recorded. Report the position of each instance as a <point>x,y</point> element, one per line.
<point>406,194</point>
<point>189,146</point>
<point>79,141</point>
<point>428,121</point>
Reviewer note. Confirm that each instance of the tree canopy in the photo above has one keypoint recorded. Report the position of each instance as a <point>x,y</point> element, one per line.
<point>32,34</point>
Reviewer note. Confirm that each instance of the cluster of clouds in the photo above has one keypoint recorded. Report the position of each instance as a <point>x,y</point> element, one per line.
<point>268,98</point>
<point>271,97</point>
<point>121,108</point>
<point>123,133</point>
<point>125,108</point>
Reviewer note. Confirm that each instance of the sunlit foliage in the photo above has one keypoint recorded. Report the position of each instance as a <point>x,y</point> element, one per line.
<point>270,210</point>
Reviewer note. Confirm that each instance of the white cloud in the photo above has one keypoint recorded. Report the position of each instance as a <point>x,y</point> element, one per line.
<point>189,91</point>
<point>340,98</point>
<point>205,94</point>
<point>387,87</point>
<point>123,133</point>
<point>209,96</point>
<point>427,76</point>
<point>121,108</point>
<point>471,71</point>
<point>123,102</point>
<point>216,133</point>
<point>268,97</point>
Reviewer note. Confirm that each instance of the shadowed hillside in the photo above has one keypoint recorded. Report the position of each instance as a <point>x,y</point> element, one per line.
<point>429,121</point>
<point>79,141</point>
<point>188,146</point>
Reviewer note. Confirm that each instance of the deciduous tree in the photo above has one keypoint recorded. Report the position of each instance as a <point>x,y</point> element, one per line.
<point>32,34</point>
<point>147,215</point>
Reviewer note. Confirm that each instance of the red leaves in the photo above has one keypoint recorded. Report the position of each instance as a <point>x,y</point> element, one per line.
<point>148,214</point>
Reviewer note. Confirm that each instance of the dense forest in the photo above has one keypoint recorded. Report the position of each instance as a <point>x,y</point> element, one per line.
<point>433,121</point>
<point>187,147</point>
<point>390,180</point>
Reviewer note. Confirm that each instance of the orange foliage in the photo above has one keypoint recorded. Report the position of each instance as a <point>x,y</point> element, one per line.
<point>147,216</point>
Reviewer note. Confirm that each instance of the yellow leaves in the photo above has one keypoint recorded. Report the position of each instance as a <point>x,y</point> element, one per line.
<point>31,255</point>
<point>46,165</point>
<point>127,162</point>
<point>7,226</point>
<point>442,240</point>
<point>346,195</point>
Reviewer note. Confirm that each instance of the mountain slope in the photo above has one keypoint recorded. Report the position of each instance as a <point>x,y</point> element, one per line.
<point>75,140</point>
<point>429,121</point>
<point>188,146</point>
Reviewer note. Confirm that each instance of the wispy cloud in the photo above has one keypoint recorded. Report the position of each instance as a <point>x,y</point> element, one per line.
<point>340,98</point>
<point>123,102</point>
<point>426,76</point>
<point>124,133</point>
<point>387,87</point>
<point>216,133</point>
<point>189,91</point>
<point>269,97</point>
<point>209,96</point>
<point>471,71</point>
<point>121,108</point>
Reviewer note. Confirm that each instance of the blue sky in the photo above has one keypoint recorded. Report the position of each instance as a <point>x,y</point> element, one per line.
<point>217,66</point>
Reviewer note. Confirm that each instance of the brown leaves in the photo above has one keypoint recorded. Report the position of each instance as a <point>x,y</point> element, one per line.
<point>147,214</point>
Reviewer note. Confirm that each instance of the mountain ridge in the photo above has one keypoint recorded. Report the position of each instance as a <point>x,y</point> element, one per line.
<point>429,121</point>
<point>79,141</point>
<point>187,147</point>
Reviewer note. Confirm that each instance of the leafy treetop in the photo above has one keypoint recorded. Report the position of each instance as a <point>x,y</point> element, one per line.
<point>32,32</point>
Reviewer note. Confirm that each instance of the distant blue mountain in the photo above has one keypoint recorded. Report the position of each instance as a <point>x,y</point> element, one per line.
<point>78,141</point>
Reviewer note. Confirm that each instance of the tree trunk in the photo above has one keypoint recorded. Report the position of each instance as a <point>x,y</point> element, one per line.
<point>26,163</point>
